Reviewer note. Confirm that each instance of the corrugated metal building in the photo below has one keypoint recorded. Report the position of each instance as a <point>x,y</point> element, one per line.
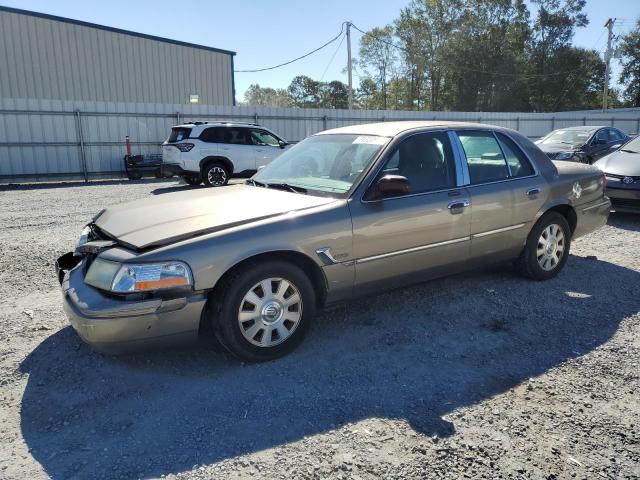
<point>46,57</point>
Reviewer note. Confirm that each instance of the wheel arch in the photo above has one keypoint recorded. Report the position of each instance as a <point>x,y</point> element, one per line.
<point>301,260</point>
<point>567,211</point>
<point>216,159</point>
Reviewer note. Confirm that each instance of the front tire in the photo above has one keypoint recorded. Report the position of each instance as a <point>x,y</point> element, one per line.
<point>547,248</point>
<point>263,312</point>
<point>215,175</point>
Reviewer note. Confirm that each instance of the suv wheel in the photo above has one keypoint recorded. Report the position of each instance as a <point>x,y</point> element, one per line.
<point>215,175</point>
<point>262,312</point>
<point>193,180</point>
<point>547,248</point>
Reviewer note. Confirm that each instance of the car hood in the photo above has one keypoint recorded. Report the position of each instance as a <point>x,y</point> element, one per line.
<point>171,217</point>
<point>557,147</point>
<point>621,163</point>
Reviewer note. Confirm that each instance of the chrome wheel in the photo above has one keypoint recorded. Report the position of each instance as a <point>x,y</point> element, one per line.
<point>270,312</point>
<point>217,176</point>
<point>550,247</point>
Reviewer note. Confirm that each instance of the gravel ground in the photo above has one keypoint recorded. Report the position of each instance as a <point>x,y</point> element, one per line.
<point>481,375</point>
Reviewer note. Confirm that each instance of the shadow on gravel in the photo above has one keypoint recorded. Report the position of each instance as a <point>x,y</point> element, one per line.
<point>626,221</point>
<point>175,188</point>
<point>413,354</point>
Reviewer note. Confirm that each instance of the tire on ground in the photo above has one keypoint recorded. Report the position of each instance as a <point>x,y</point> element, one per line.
<point>224,306</point>
<point>215,174</point>
<point>528,264</point>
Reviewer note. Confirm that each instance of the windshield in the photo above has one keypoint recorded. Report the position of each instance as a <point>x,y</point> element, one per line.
<point>326,164</point>
<point>632,146</point>
<point>572,137</point>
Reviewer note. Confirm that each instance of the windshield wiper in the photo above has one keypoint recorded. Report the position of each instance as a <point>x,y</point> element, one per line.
<point>255,183</point>
<point>286,186</point>
<point>628,151</point>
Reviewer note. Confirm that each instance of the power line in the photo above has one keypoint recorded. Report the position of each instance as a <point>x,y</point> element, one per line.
<point>332,58</point>
<point>295,59</point>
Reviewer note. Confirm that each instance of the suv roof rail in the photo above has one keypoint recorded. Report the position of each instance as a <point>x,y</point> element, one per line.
<point>221,122</point>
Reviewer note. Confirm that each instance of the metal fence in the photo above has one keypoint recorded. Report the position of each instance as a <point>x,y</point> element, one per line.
<point>45,140</point>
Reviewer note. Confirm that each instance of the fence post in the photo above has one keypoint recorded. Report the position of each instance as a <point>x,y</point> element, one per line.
<point>553,123</point>
<point>518,123</point>
<point>638,125</point>
<point>613,121</point>
<point>584,120</point>
<point>480,119</point>
<point>178,116</point>
<point>324,122</point>
<point>83,158</point>
<point>255,118</point>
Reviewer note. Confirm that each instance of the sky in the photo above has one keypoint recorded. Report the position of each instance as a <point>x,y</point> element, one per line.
<point>265,33</point>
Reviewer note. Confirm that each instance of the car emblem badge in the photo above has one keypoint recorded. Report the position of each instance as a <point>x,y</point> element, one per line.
<point>577,190</point>
<point>627,180</point>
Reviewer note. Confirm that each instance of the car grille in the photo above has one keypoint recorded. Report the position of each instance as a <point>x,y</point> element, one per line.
<point>551,155</point>
<point>620,177</point>
<point>626,202</point>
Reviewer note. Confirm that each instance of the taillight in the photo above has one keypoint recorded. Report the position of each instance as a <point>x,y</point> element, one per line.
<point>184,147</point>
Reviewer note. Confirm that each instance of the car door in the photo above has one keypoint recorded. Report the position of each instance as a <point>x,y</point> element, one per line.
<point>406,238</point>
<point>266,146</point>
<point>599,144</point>
<point>505,193</point>
<point>236,145</point>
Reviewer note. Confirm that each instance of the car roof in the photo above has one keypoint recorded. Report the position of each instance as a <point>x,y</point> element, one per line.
<point>216,124</point>
<point>391,129</point>
<point>584,127</point>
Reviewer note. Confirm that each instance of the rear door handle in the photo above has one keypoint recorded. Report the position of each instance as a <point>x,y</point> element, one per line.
<point>532,192</point>
<point>456,206</point>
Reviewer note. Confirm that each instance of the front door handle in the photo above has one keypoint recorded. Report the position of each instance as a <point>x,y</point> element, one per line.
<point>532,192</point>
<point>456,206</point>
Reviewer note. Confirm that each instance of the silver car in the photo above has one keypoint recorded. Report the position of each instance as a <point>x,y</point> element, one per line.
<point>345,213</point>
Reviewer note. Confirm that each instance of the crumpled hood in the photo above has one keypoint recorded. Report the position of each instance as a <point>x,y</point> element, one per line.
<point>621,163</point>
<point>171,217</point>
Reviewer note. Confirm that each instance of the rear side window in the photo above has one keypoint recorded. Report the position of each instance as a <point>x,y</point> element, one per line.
<point>211,135</point>
<point>615,135</point>
<point>178,134</point>
<point>518,164</point>
<point>235,136</point>
<point>484,157</point>
<point>602,135</point>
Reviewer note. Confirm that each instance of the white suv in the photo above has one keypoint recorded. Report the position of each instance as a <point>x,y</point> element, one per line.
<point>213,152</point>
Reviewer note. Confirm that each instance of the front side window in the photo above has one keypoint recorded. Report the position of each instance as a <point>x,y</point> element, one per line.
<point>261,137</point>
<point>484,157</point>
<point>602,136</point>
<point>324,164</point>
<point>426,160</point>
<point>236,136</point>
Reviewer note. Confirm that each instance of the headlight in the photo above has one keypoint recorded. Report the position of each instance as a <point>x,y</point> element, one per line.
<point>563,155</point>
<point>143,277</point>
<point>84,235</point>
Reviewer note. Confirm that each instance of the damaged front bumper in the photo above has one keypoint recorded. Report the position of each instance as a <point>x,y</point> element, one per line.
<point>113,324</point>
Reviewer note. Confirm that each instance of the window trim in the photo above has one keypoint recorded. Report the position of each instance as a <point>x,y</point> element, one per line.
<point>385,156</point>
<point>466,160</point>
<point>526,157</point>
<point>468,183</point>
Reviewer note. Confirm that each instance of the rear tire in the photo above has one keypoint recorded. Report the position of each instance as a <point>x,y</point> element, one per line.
<point>547,248</point>
<point>215,175</point>
<point>257,323</point>
<point>192,180</point>
<point>134,175</point>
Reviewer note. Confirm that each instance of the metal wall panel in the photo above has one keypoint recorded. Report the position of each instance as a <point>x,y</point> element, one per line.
<point>40,139</point>
<point>44,58</point>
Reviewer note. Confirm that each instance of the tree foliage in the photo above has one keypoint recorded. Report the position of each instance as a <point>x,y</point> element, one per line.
<point>630,75</point>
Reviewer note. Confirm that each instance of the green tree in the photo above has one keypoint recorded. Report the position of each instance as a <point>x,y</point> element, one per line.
<point>304,92</point>
<point>267,97</point>
<point>630,75</point>
<point>377,57</point>
<point>333,94</point>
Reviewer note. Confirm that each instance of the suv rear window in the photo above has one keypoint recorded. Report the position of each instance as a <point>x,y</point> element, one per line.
<point>178,134</point>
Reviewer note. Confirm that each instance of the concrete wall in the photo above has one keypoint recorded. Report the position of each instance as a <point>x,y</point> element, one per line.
<point>42,140</point>
<point>52,58</point>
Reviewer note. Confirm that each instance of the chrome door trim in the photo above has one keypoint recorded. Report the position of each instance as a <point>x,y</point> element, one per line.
<point>498,230</point>
<point>597,205</point>
<point>412,250</point>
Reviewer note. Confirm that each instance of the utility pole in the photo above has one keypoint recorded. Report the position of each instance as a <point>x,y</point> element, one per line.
<point>349,65</point>
<point>607,60</point>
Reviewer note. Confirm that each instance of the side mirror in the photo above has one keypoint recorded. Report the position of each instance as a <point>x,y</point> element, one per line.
<point>282,143</point>
<point>390,186</point>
